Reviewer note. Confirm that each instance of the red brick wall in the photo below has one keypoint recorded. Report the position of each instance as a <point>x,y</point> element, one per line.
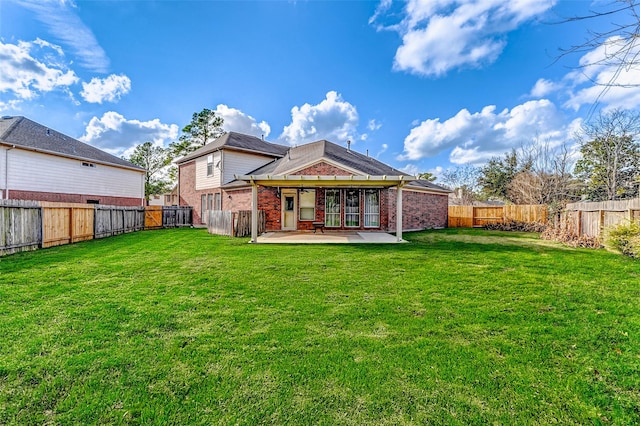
<point>323,169</point>
<point>236,200</point>
<point>420,210</point>
<point>231,200</point>
<point>187,188</point>
<point>74,198</point>
<point>269,201</point>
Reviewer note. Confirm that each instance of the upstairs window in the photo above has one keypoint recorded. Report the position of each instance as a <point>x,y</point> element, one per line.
<point>210,165</point>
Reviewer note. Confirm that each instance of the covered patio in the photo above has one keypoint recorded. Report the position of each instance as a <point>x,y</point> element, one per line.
<point>327,181</point>
<point>328,237</point>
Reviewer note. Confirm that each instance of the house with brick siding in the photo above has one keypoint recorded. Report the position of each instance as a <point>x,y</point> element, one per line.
<point>38,163</point>
<point>302,187</point>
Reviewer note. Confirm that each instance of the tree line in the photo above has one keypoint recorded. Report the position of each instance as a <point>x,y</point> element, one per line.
<point>603,164</point>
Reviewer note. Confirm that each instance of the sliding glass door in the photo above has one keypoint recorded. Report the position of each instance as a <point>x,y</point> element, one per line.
<point>332,208</point>
<point>352,208</point>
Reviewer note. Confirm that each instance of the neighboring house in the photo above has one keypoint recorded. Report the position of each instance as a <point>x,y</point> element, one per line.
<point>315,182</point>
<point>38,163</point>
<point>165,199</point>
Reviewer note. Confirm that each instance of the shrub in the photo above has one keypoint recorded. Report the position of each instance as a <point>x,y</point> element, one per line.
<point>514,225</point>
<point>624,238</point>
<point>565,234</point>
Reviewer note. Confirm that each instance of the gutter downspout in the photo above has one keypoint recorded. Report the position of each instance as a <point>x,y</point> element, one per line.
<point>6,172</point>
<point>178,187</point>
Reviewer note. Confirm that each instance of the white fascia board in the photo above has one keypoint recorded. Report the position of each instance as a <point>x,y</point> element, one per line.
<point>330,180</point>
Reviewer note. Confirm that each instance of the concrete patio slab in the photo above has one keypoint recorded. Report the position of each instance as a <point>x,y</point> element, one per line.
<point>299,237</point>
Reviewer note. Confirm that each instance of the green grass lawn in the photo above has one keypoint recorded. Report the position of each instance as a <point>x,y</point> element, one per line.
<point>455,327</point>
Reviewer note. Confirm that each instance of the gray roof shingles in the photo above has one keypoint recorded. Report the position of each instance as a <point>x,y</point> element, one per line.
<point>303,155</point>
<point>28,134</point>
<point>238,141</point>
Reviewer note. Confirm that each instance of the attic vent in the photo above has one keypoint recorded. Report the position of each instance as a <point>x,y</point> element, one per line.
<point>88,164</point>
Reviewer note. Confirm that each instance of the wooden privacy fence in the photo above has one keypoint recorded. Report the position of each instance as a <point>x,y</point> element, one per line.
<point>28,225</point>
<point>116,220</point>
<point>65,223</point>
<point>156,217</point>
<point>592,218</point>
<point>478,216</point>
<point>233,224</point>
<point>176,216</point>
<point>20,226</point>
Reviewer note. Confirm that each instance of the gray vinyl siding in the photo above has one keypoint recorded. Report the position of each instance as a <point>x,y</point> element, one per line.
<point>203,181</point>
<point>239,163</point>
<point>32,171</point>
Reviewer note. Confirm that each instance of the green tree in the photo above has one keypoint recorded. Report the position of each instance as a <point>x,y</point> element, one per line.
<point>154,159</point>
<point>610,163</point>
<point>428,176</point>
<point>205,126</point>
<point>497,174</point>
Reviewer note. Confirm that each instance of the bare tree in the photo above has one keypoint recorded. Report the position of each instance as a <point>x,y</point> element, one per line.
<point>610,163</point>
<point>619,45</point>
<point>464,181</point>
<point>544,177</point>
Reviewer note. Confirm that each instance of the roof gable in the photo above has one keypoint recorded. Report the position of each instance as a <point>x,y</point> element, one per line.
<point>28,134</point>
<point>240,142</point>
<point>300,157</point>
<point>323,168</point>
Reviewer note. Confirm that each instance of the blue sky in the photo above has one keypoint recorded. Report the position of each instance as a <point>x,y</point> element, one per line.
<point>421,85</point>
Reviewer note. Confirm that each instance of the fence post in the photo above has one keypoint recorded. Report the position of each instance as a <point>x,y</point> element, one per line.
<point>41,227</point>
<point>233,224</point>
<point>601,227</point>
<point>579,224</point>
<point>70,225</point>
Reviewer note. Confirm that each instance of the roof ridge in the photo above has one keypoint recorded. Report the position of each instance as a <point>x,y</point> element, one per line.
<point>13,125</point>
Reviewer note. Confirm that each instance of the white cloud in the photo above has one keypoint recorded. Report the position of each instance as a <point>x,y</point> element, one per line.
<point>115,134</point>
<point>373,125</point>
<point>32,68</point>
<point>108,89</point>
<point>475,138</point>
<point>437,171</point>
<point>441,35</point>
<point>383,149</point>
<point>600,81</point>
<point>411,169</point>
<point>544,87</point>
<point>65,25</point>
<point>237,121</point>
<point>333,119</point>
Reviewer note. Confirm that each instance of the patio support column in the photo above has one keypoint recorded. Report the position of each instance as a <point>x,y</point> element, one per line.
<point>399,213</point>
<point>254,212</point>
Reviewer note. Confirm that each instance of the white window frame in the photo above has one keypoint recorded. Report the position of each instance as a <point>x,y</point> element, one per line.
<point>329,214</point>
<point>203,208</point>
<point>371,211</point>
<point>306,202</point>
<point>351,212</point>
<point>210,165</point>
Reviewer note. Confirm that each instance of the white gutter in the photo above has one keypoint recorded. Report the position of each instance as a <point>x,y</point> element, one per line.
<point>6,171</point>
<point>329,179</point>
